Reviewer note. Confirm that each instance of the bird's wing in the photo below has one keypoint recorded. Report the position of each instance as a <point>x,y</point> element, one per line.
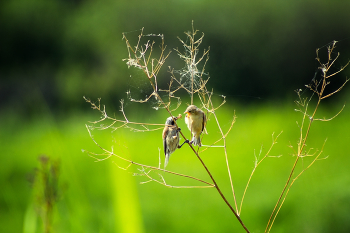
<point>204,121</point>
<point>165,133</point>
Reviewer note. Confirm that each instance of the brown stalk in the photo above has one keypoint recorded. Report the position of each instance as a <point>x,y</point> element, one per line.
<point>325,67</point>
<point>193,50</point>
<point>257,163</point>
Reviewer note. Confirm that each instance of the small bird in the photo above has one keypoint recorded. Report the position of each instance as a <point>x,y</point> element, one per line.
<point>195,120</point>
<point>171,138</point>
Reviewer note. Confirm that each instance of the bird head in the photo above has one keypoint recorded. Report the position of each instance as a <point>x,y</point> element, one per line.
<point>192,109</point>
<point>170,121</point>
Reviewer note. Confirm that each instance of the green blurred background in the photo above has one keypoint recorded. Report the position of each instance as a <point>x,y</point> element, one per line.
<point>54,52</point>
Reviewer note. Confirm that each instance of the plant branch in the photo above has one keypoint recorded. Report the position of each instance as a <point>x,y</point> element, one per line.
<point>319,91</point>
<point>256,164</point>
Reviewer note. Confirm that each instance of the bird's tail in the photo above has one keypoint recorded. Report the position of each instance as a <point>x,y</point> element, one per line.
<point>166,161</point>
<point>197,141</point>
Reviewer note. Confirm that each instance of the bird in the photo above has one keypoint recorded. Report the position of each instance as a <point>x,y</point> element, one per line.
<point>195,120</point>
<point>171,138</point>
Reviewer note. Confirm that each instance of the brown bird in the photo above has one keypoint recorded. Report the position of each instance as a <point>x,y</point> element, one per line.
<point>195,120</point>
<point>171,138</point>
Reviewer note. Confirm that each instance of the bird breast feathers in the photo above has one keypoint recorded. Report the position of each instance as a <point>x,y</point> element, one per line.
<point>196,123</point>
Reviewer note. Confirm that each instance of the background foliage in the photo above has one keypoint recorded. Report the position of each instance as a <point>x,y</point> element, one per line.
<point>54,52</point>
<point>61,50</point>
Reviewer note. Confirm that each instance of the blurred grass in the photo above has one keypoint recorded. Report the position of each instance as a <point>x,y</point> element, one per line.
<point>100,197</point>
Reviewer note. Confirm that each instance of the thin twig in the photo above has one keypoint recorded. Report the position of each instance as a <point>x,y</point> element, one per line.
<point>256,164</point>
<point>319,91</point>
<point>110,153</point>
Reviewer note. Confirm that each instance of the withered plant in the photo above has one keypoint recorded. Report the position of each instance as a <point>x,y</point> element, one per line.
<point>193,79</point>
<point>319,92</point>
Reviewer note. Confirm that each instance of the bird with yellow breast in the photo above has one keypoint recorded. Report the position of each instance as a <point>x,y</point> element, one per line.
<point>195,120</point>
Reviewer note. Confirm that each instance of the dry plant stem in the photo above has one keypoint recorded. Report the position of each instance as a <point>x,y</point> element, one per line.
<point>192,59</point>
<point>124,123</point>
<point>220,139</point>
<point>219,190</point>
<point>292,182</point>
<point>223,137</point>
<point>274,141</point>
<point>138,63</point>
<point>155,90</point>
<point>301,146</point>
<point>325,67</point>
<point>110,153</point>
<point>144,68</point>
<point>163,182</point>
<point>193,50</point>
<point>192,68</point>
<point>140,57</point>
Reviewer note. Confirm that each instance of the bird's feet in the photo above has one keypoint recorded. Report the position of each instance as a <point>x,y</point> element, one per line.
<point>187,141</point>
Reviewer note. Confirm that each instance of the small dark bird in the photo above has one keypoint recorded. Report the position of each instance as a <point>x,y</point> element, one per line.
<point>171,138</point>
<point>195,120</point>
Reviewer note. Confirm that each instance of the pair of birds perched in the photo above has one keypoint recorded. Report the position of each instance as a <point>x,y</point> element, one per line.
<point>195,120</point>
